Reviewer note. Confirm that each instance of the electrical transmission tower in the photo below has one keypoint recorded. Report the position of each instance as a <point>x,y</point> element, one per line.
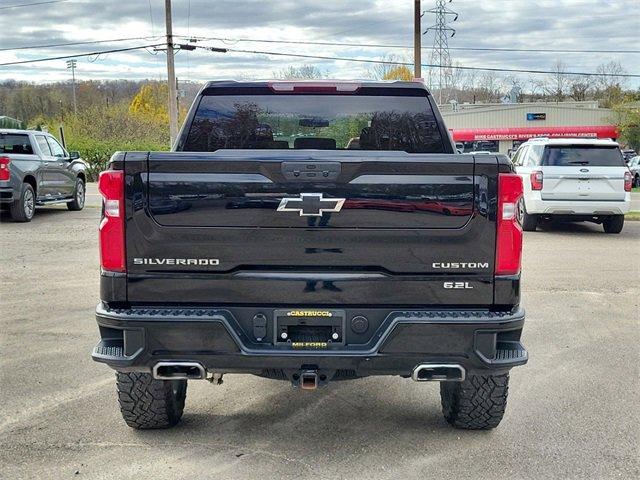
<point>440,52</point>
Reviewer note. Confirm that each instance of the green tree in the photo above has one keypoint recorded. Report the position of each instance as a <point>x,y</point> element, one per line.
<point>628,120</point>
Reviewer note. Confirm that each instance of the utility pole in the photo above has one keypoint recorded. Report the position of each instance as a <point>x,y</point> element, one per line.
<point>72,65</point>
<point>440,54</point>
<point>417,40</point>
<point>171,76</point>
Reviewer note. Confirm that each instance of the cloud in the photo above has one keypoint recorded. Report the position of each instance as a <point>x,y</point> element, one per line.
<point>574,24</point>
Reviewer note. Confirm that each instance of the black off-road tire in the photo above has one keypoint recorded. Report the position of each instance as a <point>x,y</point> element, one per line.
<point>147,403</point>
<point>478,403</point>
<point>613,224</point>
<point>79,193</point>
<point>636,180</point>
<point>24,207</point>
<point>529,222</point>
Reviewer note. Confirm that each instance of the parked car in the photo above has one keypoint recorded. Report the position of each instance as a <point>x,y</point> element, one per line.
<point>311,264</point>
<point>573,180</point>
<point>628,154</point>
<point>36,170</point>
<point>634,168</point>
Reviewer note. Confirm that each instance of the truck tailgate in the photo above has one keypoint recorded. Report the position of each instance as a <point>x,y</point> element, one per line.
<point>212,228</point>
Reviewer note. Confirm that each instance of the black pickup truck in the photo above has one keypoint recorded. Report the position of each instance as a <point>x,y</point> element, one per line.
<point>311,232</point>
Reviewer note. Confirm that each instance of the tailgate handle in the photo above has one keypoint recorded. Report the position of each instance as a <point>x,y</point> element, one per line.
<point>311,171</point>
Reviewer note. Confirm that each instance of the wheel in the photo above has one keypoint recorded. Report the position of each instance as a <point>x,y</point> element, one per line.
<point>477,403</point>
<point>529,222</point>
<point>613,224</point>
<point>78,196</point>
<point>149,403</point>
<point>24,207</point>
<point>636,180</point>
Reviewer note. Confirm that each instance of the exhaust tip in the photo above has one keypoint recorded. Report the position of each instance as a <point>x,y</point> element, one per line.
<point>179,371</point>
<point>430,372</point>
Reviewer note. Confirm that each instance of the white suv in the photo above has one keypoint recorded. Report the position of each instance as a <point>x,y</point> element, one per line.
<point>574,180</point>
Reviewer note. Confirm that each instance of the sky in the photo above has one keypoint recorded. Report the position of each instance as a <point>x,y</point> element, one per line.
<point>545,24</point>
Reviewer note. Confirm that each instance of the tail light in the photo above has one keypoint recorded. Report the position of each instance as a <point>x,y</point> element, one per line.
<point>5,174</point>
<point>628,181</point>
<point>509,230</point>
<point>112,251</point>
<point>537,178</point>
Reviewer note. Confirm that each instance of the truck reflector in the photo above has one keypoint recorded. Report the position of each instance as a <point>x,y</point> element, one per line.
<point>112,249</point>
<point>509,234</point>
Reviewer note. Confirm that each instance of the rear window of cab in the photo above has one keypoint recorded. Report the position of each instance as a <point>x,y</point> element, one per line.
<point>379,120</point>
<point>15,143</point>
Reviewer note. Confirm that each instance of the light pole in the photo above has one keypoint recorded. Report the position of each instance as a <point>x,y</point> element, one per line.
<point>72,65</point>
<point>417,40</point>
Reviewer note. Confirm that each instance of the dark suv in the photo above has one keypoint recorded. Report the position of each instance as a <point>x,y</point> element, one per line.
<point>36,170</point>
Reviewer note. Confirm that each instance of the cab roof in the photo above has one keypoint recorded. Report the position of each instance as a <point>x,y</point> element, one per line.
<point>571,141</point>
<point>353,84</point>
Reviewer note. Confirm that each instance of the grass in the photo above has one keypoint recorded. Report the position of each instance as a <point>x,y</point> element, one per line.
<point>633,216</point>
<point>636,189</point>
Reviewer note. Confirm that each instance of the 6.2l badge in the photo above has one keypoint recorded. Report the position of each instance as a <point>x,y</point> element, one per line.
<point>457,285</point>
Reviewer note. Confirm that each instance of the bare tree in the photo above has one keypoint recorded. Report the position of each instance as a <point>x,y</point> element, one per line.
<point>489,88</point>
<point>610,83</point>
<point>382,70</point>
<point>302,71</point>
<point>579,88</point>
<point>555,85</point>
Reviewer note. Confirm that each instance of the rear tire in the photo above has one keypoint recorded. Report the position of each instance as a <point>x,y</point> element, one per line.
<point>147,403</point>
<point>613,224</point>
<point>636,181</point>
<point>78,196</point>
<point>23,209</point>
<point>478,403</point>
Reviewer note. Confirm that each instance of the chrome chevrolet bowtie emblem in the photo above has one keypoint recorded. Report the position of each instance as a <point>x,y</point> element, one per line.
<point>311,205</point>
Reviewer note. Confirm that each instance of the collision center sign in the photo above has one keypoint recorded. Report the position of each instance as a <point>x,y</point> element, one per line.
<point>525,133</point>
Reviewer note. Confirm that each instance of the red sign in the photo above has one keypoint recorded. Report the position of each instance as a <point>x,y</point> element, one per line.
<point>525,133</point>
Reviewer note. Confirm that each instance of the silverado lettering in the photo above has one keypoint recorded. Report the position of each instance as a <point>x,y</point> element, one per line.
<point>338,208</point>
<point>177,261</point>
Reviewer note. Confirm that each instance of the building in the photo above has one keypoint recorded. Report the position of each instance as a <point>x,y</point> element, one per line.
<point>503,127</point>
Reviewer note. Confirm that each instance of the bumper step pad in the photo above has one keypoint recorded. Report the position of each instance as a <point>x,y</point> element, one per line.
<point>109,349</point>
<point>510,351</point>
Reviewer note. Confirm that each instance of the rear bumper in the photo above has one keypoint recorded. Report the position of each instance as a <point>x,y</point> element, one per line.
<point>479,341</point>
<point>538,206</point>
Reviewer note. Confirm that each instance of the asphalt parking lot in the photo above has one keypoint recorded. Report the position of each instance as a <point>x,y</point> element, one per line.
<point>573,410</point>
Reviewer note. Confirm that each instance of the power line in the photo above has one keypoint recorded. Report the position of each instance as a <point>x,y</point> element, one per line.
<point>408,64</point>
<point>31,4</point>
<point>303,42</point>
<point>379,45</point>
<point>69,44</point>
<point>324,57</point>
<point>64,57</point>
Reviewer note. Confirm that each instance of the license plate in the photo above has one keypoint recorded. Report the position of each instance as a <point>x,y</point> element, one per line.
<point>309,328</point>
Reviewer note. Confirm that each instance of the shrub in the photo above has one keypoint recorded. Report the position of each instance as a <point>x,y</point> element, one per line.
<point>98,132</point>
